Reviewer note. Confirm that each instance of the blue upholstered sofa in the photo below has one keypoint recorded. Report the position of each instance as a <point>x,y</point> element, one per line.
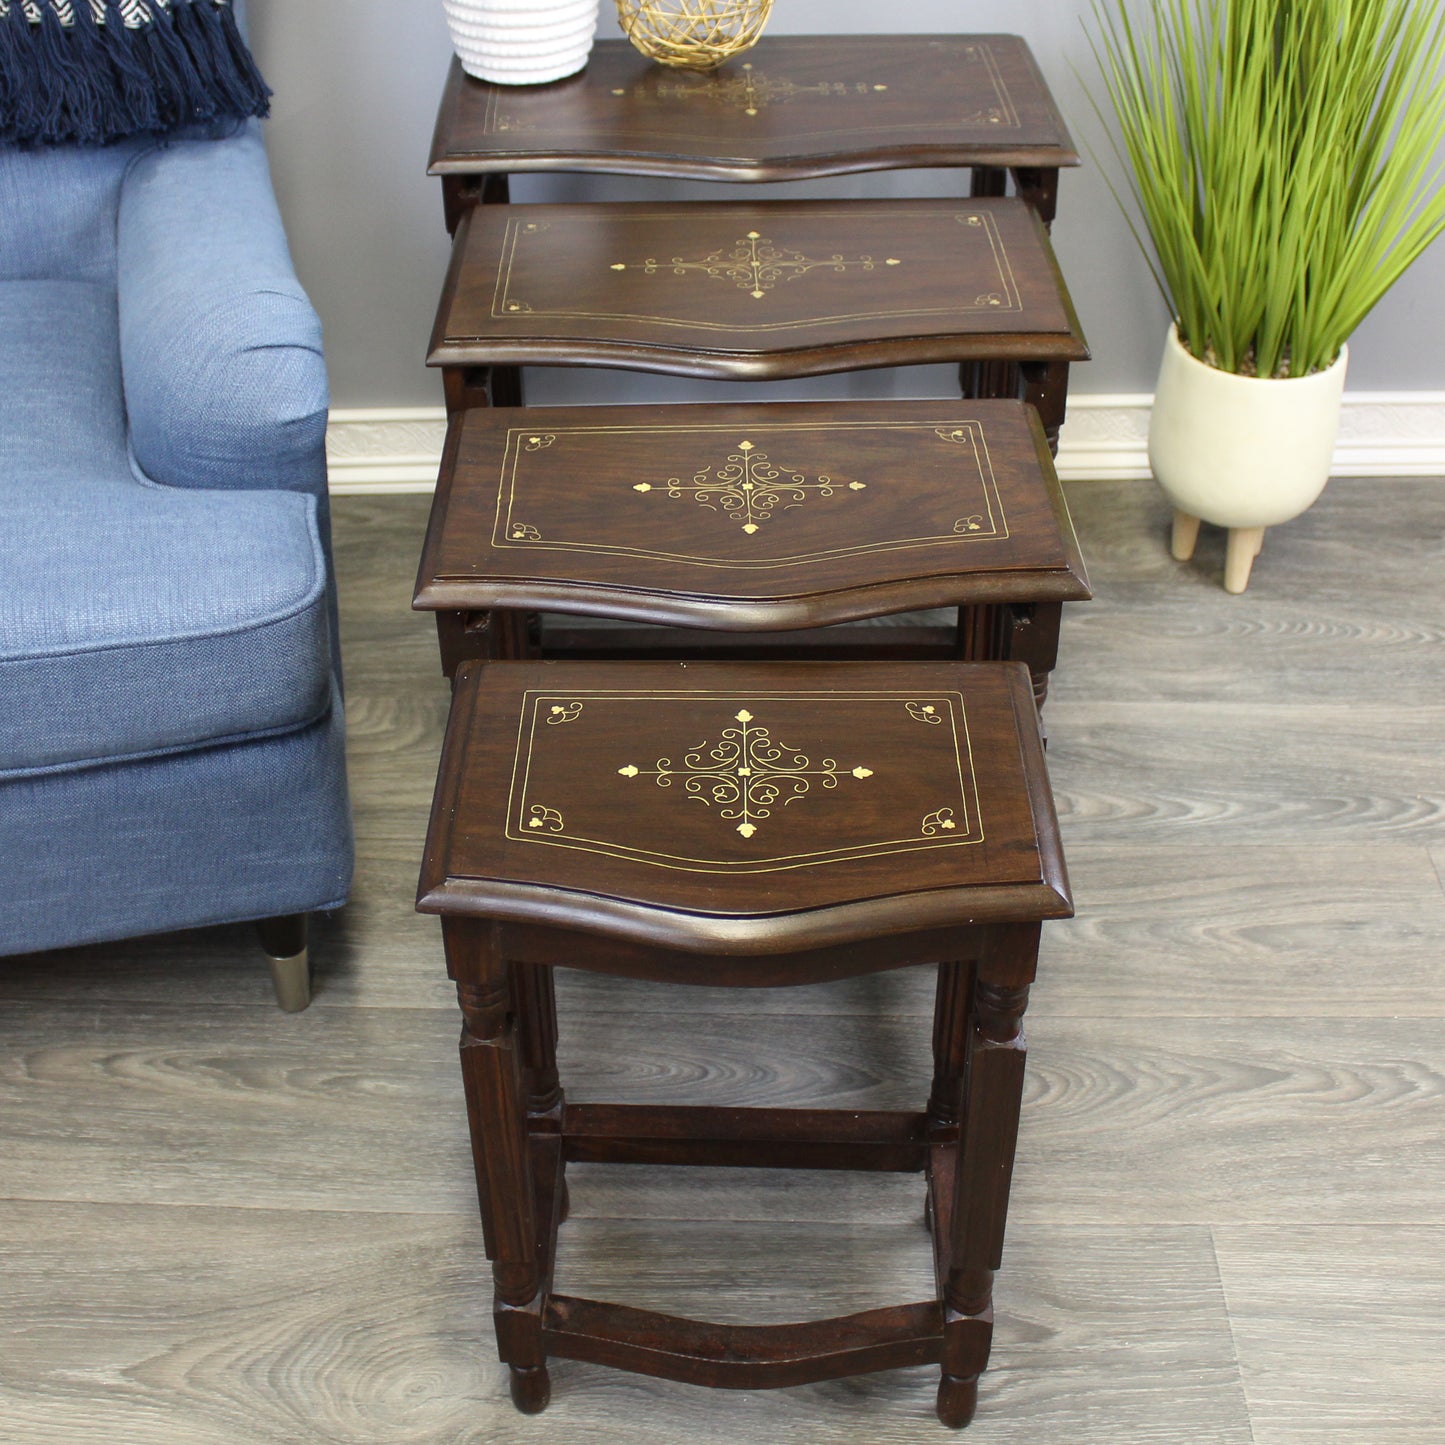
<point>171,745</point>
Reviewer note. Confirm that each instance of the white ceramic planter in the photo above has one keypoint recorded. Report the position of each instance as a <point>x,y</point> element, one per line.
<point>1240,451</point>
<point>522,42</point>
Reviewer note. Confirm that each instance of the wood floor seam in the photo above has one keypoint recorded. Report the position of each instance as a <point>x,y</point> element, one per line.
<point>1233,1339</point>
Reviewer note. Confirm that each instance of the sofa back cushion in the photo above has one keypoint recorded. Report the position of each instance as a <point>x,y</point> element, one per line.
<point>57,211</point>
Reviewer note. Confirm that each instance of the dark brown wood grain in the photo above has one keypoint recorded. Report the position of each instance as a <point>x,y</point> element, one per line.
<point>748,518</point>
<point>906,797</point>
<point>753,1138</point>
<point>790,108</point>
<point>742,1357</point>
<point>752,290</point>
<point>628,847</point>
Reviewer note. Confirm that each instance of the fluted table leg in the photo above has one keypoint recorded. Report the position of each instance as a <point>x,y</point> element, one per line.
<point>496,1111</point>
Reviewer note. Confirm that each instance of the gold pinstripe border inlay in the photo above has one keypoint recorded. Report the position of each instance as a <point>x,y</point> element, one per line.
<point>509,306</point>
<point>514,526</point>
<point>954,823</point>
<point>497,122</point>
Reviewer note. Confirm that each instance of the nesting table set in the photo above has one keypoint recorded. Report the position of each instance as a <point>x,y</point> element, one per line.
<point>675,752</point>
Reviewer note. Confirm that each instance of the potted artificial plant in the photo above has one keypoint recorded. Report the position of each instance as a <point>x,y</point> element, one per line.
<point>1284,157</point>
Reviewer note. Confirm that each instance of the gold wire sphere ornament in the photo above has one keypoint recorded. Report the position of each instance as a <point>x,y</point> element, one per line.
<point>695,34</point>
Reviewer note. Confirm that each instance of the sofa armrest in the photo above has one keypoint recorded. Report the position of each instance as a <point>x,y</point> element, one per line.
<point>225,384</point>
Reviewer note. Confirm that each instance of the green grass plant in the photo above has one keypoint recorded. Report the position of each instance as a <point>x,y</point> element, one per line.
<point>1285,157</point>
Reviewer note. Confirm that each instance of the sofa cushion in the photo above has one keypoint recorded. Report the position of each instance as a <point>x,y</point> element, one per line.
<point>135,619</point>
<point>57,210</point>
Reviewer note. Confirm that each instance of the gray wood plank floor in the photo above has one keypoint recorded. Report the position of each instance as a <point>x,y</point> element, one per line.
<point>222,1224</point>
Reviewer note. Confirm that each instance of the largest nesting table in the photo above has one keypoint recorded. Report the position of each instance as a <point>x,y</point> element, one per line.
<point>745,825</point>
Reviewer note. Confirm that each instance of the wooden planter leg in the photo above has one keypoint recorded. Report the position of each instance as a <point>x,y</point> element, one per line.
<point>1244,545</point>
<point>1185,536</point>
<point>496,1111</point>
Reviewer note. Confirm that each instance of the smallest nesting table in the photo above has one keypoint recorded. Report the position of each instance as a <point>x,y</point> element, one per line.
<point>745,825</point>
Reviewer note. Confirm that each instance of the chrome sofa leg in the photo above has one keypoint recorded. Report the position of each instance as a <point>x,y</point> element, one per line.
<point>284,940</point>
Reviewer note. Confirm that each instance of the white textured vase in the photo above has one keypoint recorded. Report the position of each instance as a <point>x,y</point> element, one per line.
<point>522,42</point>
<point>1242,452</point>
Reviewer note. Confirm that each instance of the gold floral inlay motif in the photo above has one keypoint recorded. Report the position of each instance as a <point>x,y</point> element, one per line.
<point>752,90</point>
<point>924,712</point>
<point>547,820</point>
<point>563,712</point>
<point>755,264</point>
<point>939,822</point>
<point>746,774</point>
<point>749,488</point>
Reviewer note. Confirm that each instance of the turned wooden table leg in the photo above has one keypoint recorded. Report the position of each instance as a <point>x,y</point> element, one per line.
<point>1040,188</point>
<point>1046,389</point>
<point>952,1009</point>
<point>1244,546</point>
<point>1033,638</point>
<point>1184,537</point>
<point>461,192</point>
<point>988,181</point>
<point>484,635</point>
<point>496,1111</point>
<point>979,380</point>
<point>534,997</point>
<point>992,1094</point>
<point>467,387</point>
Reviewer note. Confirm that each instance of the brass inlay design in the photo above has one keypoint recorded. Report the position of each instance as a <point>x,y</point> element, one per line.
<point>547,819</point>
<point>747,489</point>
<point>752,90</point>
<point>516,482</point>
<point>924,712</point>
<point>745,774</point>
<point>710,774</point>
<point>535,444</point>
<point>528,228</point>
<point>564,712</point>
<point>995,107</point>
<point>754,264</point>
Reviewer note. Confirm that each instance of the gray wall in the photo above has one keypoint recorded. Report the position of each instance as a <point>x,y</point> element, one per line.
<point>356,86</point>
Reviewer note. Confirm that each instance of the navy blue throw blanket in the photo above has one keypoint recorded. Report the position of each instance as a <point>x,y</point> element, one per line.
<point>100,70</point>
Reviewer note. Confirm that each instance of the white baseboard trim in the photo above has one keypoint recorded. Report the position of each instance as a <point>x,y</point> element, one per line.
<point>1382,434</point>
<point>384,449</point>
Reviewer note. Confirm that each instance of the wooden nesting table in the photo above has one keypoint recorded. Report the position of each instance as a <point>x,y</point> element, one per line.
<point>780,816</point>
<point>742,530</point>
<point>750,826</point>
<point>793,108</point>
<point>755,291</point>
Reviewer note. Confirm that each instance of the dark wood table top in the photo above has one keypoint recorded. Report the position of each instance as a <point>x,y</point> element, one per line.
<point>749,517</point>
<point>754,290</point>
<point>756,806</point>
<point>790,108</point>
